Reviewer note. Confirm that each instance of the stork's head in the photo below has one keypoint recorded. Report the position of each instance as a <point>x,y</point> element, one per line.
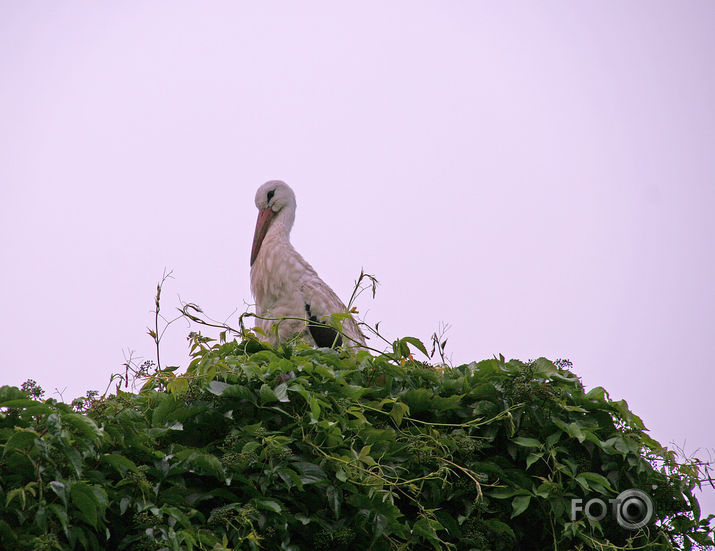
<point>276,205</point>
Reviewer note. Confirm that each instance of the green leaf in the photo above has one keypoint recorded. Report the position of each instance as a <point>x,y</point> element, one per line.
<point>8,393</point>
<point>41,518</point>
<point>21,439</point>
<point>62,516</point>
<point>595,481</point>
<point>379,525</point>
<point>85,500</point>
<point>268,504</point>
<point>354,392</point>
<point>119,462</point>
<point>290,477</point>
<point>364,456</point>
<point>526,442</point>
<point>399,410</point>
<point>163,411</point>
<point>331,452</point>
<point>124,504</point>
<point>238,391</point>
<point>519,505</point>
<point>621,407</point>
<point>314,407</point>
<point>357,412</point>
<point>75,459</point>
<point>545,489</point>
<point>265,357</point>
<point>281,392</point>
<point>334,497</point>
<point>20,403</point>
<point>217,387</point>
<point>85,426</point>
<point>20,494</point>
<point>60,488</point>
<point>254,429</point>
<point>54,424</point>
<point>573,429</point>
<point>553,438</point>
<point>544,368</point>
<point>267,394</point>
<point>533,458</point>
<point>417,344</point>
<point>598,393</point>
<point>310,473</point>
<point>500,528</point>
<point>427,528</point>
<point>178,386</point>
<point>304,520</point>
<point>505,493</point>
<point>204,463</point>
<point>418,399</point>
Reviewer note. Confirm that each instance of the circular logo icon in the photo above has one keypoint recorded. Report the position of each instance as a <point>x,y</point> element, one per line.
<point>633,509</point>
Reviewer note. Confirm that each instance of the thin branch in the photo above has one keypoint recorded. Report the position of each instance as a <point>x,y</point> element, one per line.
<point>155,333</point>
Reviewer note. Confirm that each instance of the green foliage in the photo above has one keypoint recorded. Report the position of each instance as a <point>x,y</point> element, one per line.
<point>300,449</point>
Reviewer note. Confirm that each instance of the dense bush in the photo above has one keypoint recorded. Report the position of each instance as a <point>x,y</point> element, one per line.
<point>302,449</point>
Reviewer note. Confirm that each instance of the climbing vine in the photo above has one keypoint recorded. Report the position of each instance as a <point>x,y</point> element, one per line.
<point>256,447</point>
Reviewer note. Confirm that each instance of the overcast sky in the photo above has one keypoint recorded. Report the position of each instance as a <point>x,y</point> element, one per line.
<point>539,176</point>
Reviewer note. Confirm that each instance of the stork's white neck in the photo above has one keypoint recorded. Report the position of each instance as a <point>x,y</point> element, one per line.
<point>281,225</point>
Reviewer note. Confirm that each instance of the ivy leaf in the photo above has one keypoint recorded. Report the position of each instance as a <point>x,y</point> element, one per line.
<point>505,493</point>
<point>399,410</point>
<point>204,463</point>
<point>281,392</point>
<point>60,488</point>
<point>178,386</point>
<point>84,425</point>
<point>310,473</point>
<point>326,466</point>
<point>9,393</point>
<point>598,393</point>
<point>119,462</point>
<point>267,394</point>
<point>417,344</point>
<point>334,500</point>
<point>75,459</point>
<point>84,499</point>
<point>217,387</point>
<point>427,528</point>
<point>519,505</point>
<point>21,439</point>
<point>533,458</point>
<point>594,481</point>
<point>163,411</point>
<point>62,516</point>
<point>290,477</point>
<point>500,528</point>
<point>19,403</point>
<point>268,505</point>
<point>526,442</point>
<point>20,494</point>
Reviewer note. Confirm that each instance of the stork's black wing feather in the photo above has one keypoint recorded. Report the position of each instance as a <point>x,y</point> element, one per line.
<point>323,335</point>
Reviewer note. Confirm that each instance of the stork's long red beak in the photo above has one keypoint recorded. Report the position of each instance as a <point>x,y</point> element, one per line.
<point>262,224</point>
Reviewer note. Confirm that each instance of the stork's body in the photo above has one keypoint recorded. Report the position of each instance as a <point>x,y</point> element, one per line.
<point>284,284</point>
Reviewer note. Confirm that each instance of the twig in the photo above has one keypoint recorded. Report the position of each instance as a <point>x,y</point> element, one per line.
<point>155,334</point>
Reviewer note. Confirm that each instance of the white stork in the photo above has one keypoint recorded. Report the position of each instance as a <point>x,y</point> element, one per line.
<point>284,284</point>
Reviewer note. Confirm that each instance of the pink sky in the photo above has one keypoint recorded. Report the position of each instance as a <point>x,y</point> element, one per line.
<point>540,177</point>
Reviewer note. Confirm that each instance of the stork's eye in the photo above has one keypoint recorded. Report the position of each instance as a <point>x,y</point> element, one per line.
<point>271,194</point>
